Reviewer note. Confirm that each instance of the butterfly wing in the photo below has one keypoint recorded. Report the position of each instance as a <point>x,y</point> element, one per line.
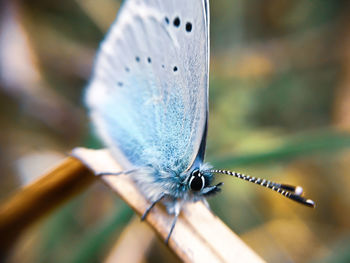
<point>149,90</point>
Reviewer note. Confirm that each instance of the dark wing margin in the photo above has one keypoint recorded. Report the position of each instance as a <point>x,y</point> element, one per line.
<point>201,151</point>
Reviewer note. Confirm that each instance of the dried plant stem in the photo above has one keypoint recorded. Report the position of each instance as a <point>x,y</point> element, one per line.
<point>199,236</point>
<point>38,198</point>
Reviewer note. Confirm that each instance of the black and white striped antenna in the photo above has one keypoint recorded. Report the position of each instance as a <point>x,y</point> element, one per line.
<point>289,191</point>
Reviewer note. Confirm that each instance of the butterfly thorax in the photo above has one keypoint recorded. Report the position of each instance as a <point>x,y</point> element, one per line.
<point>188,186</point>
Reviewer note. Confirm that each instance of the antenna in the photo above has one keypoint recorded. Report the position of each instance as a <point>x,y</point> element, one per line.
<point>289,191</point>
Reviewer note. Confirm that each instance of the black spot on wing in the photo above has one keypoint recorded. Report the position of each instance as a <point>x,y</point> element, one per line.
<point>176,21</point>
<point>175,69</point>
<point>188,27</point>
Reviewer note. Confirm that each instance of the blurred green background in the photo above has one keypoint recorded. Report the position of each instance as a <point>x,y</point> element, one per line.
<point>279,109</point>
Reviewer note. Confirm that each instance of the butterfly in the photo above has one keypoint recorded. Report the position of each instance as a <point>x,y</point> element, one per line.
<point>148,99</point>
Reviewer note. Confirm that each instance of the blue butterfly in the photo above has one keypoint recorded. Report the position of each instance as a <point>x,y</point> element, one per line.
<point>148,99</point>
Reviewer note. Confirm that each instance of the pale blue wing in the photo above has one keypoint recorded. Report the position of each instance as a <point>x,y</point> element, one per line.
<point>149,90</point>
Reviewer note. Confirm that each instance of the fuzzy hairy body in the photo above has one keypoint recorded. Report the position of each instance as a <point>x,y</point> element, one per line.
<point>154,182</point>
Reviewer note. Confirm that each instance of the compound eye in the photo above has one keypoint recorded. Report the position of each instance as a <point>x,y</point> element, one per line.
<point>197,181</point>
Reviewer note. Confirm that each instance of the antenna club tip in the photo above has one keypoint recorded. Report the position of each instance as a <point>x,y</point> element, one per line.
<point>310,203</point>
<point>299,190</point>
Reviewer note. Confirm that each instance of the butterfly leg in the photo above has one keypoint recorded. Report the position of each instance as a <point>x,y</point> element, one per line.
<point>151,206</point>
<point>117,173</point>
<point>178,207</point>
<point>205,202</point>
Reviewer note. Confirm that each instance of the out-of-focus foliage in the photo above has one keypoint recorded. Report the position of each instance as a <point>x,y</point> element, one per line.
<point>279,109</point>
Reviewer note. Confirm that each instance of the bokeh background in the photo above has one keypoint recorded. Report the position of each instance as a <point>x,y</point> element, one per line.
<point>279,109</point>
